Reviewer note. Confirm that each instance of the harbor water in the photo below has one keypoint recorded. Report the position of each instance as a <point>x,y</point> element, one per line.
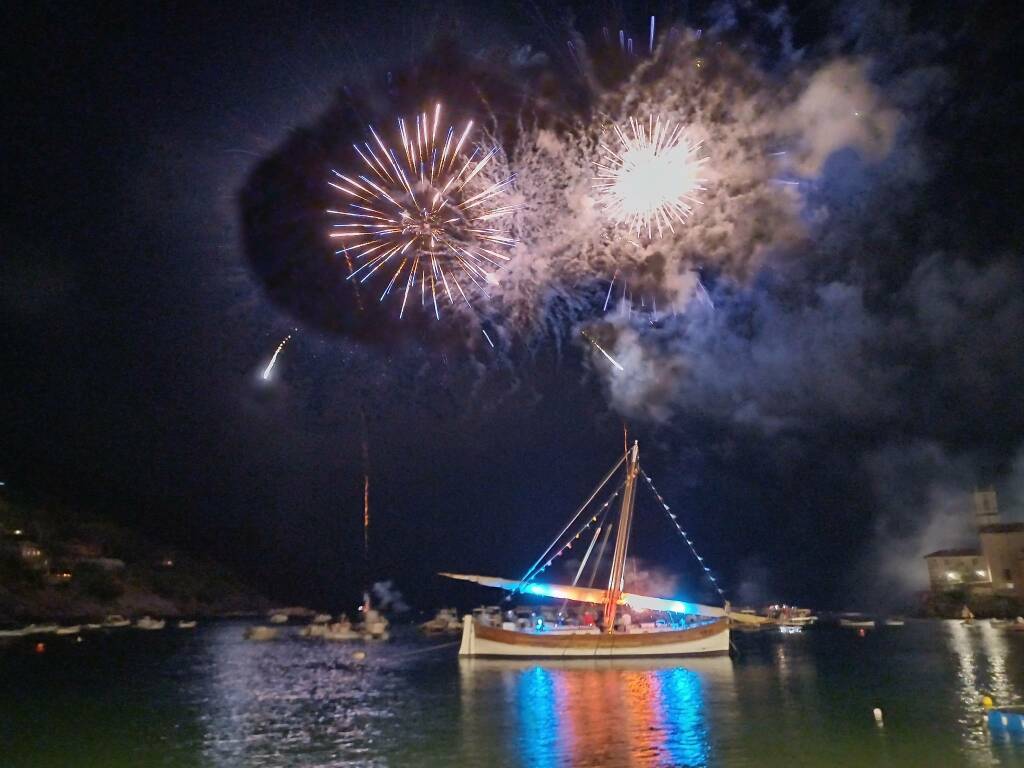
<point>208,697</point>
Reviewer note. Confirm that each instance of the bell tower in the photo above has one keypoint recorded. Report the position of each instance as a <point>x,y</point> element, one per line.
<point>985,506</point>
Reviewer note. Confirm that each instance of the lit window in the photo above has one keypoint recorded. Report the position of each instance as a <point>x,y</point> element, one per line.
<point>980,573</point>
<point>952,576</point>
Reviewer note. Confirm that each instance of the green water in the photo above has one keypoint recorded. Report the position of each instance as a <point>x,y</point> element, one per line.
<point>210,698</point>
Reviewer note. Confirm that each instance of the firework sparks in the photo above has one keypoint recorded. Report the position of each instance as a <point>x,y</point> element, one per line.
<point>273,360</point>
<point>424,213</point>
<point>648,181</point>
<point>601,349</point>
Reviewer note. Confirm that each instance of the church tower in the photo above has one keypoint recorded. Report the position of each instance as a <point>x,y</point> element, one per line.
<point>986,507</point>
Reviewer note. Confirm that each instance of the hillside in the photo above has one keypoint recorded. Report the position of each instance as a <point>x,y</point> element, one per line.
<point>57,563</point>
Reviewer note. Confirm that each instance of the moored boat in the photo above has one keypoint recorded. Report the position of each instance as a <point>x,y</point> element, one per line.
<point>261,634</point>
<point>445,620</point>
<point>187,624</point>
<point>39,629</point>
<point>858,623</point>
<point>72,629</point>
<point>690,629</point>
<point>116,620</point>
<point>278,618</point>
<point>149,623</point>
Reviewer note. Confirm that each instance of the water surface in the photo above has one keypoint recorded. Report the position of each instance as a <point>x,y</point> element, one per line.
<point>210,698</point>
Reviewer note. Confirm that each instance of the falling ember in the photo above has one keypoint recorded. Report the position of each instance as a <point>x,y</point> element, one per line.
<point>649,179</point>
<point>600,349</point>
<point>424,213</point>
<point>270,366</point>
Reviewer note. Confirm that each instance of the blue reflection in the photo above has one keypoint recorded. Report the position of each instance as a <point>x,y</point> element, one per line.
<point>682,697</point>
<point>538,717</point>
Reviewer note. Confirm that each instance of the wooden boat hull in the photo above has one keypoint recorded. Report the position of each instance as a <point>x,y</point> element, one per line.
<point>711,639</point>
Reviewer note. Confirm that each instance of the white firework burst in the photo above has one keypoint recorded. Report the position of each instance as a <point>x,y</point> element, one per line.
<point>650,178</point>
<point>427,214</point>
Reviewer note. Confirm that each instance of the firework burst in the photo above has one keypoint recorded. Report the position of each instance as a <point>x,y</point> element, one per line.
<point>427,215</point>
<point>650,178</point>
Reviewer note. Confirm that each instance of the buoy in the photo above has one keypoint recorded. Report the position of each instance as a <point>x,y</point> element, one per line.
<point>40,647</point>
<point>878,715</point>
<point>986,702</point>
<point>358,655</point>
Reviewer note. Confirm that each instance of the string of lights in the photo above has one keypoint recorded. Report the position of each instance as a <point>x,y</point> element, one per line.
<point>686,538</point>
<point>568,545</point>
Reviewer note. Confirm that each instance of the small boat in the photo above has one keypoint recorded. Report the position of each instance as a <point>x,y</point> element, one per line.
<point>19,632</point>
<point>340,632</point>
<point>92,626</point>
<point>861,623</point>
<point>187,624</point>
<point>149,623</point>
<point>689,629</point>
<point>116,620</point>
<point>261,634</point>
<point>374,625</point>
<point>39,629</point>
<point>894,622</point>
<point>446,620</point>
<point>73,629</point>
<point>279,618</point>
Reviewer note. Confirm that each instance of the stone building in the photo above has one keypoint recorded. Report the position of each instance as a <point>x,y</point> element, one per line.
<point>996,567</point>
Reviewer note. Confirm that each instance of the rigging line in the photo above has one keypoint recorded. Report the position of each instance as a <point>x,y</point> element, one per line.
<point>579,512</point>
<point>600,554</point>
<point>686,538</point>
<point>593,541</point>
<point>602,510</point>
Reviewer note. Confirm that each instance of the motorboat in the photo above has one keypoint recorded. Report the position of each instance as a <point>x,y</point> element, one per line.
<point>895,622</point>
<point>278,618</point>
<point>446,620</point>
<point>374,625</point>
<point>116,620</point>
<point>73,629</point>
<point>1017,625</point>
<point>341,631</point>
<point>39,629</point>
<point>187,624</point>
<point>261,634</point>
<point>857,623</point>
<point>149,623</point>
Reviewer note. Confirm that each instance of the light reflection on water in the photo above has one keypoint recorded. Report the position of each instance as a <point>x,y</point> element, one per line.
<point>210,698</point>
<point>589,712</point>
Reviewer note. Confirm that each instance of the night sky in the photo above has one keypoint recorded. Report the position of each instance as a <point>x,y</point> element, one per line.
<point>862,368</point>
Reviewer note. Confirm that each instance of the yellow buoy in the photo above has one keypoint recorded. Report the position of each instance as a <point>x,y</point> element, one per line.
<point>986,702</point>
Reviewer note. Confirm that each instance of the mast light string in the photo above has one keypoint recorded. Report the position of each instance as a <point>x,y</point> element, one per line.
<point>533,568</point>
<point>686,538</point>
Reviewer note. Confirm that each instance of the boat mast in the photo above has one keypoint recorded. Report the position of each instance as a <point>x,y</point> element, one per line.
<point>615,580</point>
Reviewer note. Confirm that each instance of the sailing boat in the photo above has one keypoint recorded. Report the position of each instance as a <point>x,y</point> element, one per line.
<point>705,632</point>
